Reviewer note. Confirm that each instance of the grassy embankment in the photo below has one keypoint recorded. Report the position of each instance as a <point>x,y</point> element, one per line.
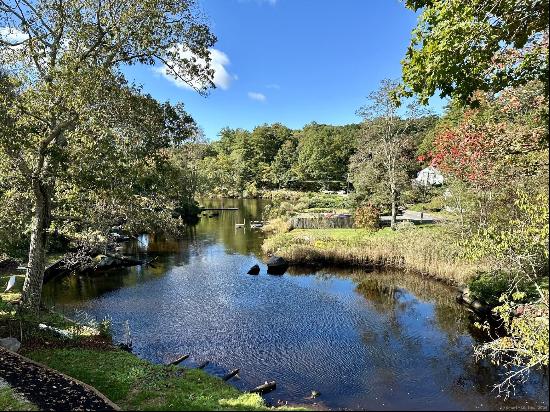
<point>428,250</point>
<point>130,382</point>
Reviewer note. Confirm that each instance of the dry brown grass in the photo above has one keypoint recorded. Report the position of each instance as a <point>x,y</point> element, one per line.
<point>427,250</point>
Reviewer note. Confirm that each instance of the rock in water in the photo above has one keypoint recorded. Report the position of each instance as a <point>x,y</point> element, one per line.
<point>276,265</point>
<point>10,344</point>
<point>254,270</point>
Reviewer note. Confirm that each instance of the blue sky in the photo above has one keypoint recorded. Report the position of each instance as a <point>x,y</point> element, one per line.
<point>292,61</point>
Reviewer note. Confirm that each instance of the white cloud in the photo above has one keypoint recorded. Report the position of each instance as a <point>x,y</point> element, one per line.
<point>12,35</point>
<point>222,78</point>
<point>273,86</point>
<point>257,96</point>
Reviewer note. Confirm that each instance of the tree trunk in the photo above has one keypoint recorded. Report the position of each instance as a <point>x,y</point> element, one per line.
<point>393,208</point>
<point>32,288</point>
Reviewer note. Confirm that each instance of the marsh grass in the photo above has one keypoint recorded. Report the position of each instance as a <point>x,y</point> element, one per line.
<point>428,250</point>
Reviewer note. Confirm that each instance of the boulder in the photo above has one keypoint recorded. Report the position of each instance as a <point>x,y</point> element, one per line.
<point>276,265</point>
<point>254,270</point>
<point>104,262</point>
<point>276,261</point>
<point>10,343</point>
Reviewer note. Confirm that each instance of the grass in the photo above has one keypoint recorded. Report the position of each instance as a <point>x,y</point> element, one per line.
<point>12,401</point>
<point>425,249</point>
<point>135,384</point>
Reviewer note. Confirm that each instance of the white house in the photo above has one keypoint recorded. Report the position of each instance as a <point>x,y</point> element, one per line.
<point>429,176</point>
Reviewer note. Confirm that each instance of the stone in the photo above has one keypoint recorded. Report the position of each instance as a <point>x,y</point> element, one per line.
<point>276,261</point>
<point>276,265</point>
<point>10,343</point>
<point>254,270</point>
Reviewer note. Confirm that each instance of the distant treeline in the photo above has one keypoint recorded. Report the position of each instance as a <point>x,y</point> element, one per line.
<point>316,157</point>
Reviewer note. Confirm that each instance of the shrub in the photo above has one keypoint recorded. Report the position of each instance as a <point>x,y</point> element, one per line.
<point>489,286</point>
<point>367,217</point>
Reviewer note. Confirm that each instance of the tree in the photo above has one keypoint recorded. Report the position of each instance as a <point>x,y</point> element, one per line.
<point>379,166</point>
<point>498,156</point>
<point>459,47</point>
<point>66,87</point>
<point>324,152</point>
<point>495,149</point>
<point>283,163</point>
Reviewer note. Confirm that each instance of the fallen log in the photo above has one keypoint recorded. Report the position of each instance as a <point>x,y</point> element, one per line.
<point>264,388</point>
<point>57,268</point>
<point>179,360</point>
<point>230,374</point>
<point>126,261</point>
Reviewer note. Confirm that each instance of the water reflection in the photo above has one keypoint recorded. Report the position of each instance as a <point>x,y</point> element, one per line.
<point>378,340</point>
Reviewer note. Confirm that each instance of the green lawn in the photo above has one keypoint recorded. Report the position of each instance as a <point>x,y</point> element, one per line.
<point>11,401</point>
<point>135,384</point>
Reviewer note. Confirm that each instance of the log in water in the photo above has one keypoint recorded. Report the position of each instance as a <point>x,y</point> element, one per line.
<point>179,360</point>
<point>264,388</point>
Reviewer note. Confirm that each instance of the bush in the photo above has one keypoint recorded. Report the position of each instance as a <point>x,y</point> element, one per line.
<point>367,217</point>
<point>489,286</point>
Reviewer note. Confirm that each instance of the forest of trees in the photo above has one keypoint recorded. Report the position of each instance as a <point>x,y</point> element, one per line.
<point>241,163</point>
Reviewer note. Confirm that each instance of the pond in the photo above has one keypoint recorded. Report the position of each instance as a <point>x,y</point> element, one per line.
<point>378,340</point>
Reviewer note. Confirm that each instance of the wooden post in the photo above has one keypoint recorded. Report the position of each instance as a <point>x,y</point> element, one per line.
<point>266,387</point>
<point>203,365</point>
<point>179,360</point>
<point>230,374</point>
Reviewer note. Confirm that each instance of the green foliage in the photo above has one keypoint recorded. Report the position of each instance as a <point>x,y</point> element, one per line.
<point>520,244</point>
<point>79,139</point>
<point>525,346</point>
<point>385,161</point>
<point>285,203</point>
<point>367,217</point>
<point>488,287</point>
<point>460,47</point>
<point>273,156</point>
<point>324,152</point>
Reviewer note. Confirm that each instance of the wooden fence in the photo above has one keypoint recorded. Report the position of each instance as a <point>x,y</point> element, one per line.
<point>322,221</point>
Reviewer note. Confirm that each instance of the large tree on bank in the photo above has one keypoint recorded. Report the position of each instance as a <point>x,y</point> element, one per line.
<point>64,88</point>
<point>462,46</point>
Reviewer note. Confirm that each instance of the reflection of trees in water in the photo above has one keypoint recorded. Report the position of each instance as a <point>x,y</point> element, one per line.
<point>384,288</point>
<point>481,376</point>
<point>387,290</point>
<point>75,288</point>
<point>222,228</point>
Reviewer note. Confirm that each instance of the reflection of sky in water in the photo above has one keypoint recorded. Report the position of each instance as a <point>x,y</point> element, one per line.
<point>364,340</point>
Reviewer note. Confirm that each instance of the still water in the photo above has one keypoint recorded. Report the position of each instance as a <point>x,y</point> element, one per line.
<point>378,340</point>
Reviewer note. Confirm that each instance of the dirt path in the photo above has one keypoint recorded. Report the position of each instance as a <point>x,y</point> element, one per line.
<point>49,389</point>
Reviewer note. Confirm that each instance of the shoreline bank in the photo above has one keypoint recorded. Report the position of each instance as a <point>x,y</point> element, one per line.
<point>422,250</point>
